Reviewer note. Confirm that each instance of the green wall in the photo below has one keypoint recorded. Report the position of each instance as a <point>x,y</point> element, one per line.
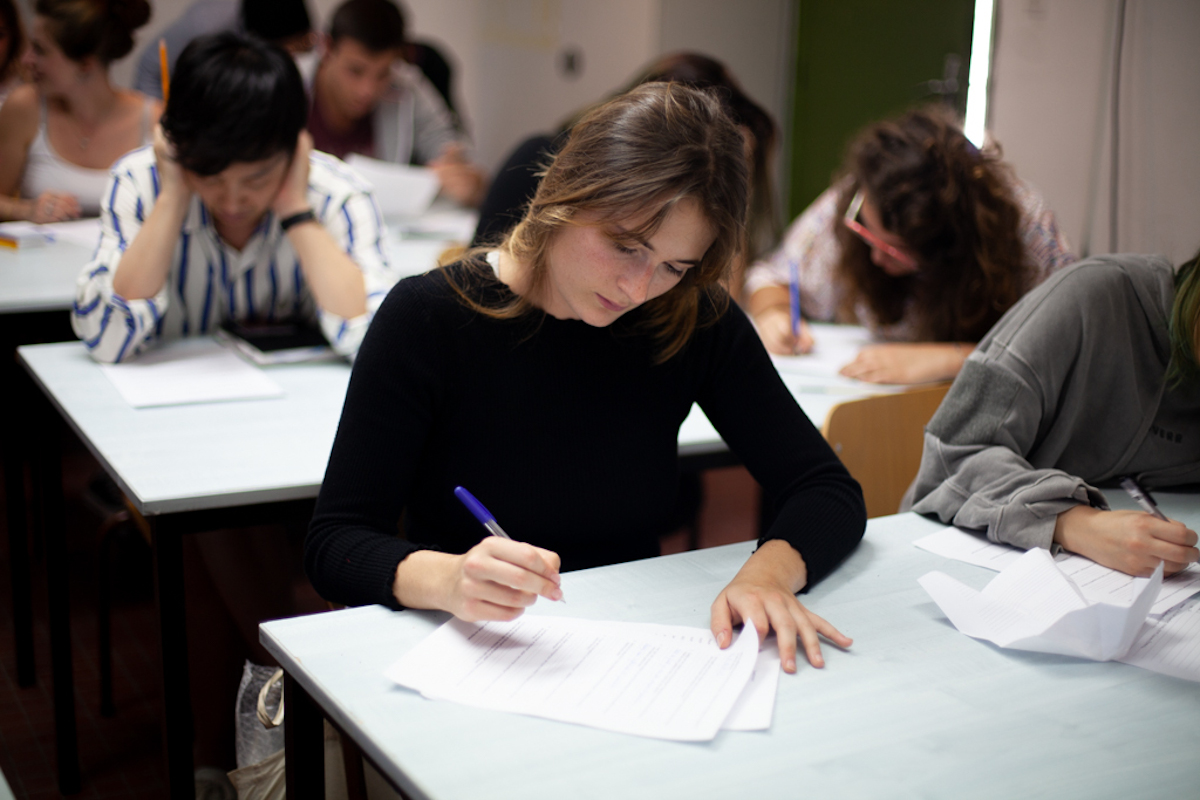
<point>858,61</point>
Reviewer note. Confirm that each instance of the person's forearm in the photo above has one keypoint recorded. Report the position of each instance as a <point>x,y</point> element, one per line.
<point>15,208</point>
<point>147,261</point>
<point>336,281</point>
<point>421,580</point>
<point>781,561</point>
<point>769,297</point>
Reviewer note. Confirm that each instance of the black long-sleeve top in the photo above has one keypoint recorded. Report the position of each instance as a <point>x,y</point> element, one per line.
<point>566,432</point>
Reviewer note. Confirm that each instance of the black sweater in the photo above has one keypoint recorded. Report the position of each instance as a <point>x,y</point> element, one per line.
<point>566,432</point>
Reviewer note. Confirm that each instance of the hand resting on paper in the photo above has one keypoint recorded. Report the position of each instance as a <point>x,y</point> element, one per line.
<point>765,590</point>
<point>908,362</point>
<point>1133,542</point>
<point>496,579</point>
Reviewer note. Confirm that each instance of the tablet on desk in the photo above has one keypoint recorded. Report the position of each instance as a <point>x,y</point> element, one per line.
<point>276,343</point>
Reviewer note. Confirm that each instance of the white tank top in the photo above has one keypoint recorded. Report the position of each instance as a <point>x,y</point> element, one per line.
<point>46,170</point>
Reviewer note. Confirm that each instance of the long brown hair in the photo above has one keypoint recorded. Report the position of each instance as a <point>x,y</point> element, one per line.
<point>642,153</point>
<point>952,205</point>
<point>16,38</point>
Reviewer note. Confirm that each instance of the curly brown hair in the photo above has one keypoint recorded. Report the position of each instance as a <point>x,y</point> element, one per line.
<point>953,205</point>
<point>642,153</point>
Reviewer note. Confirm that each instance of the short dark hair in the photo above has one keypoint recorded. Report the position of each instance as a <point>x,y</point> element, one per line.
<point>233,98</point>
<point>276,20</point>
<point>377,25</point>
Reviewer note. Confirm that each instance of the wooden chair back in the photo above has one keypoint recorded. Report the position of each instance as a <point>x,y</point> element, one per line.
<point>880,439</point>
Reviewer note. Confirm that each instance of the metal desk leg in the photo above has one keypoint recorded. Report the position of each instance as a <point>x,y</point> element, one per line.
<point>16,456</point>
<point>18,554</point>
<point>304,743</point>
<point>172,627</point>
<point>49,476</point>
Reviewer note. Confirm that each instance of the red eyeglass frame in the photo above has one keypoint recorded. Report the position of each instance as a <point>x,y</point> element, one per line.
<point>850,220</point>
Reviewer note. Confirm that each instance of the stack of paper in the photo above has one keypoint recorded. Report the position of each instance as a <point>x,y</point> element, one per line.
<point>661,681</point>
<point>1098,583</point>
<point>399,190</point>
<point>189,371</point>
<point>1031,605</point>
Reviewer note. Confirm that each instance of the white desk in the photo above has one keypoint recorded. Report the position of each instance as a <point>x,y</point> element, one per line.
<point>914,709</point>
<point>40,278</point>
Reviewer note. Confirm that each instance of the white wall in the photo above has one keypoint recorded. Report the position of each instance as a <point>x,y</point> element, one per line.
<point>1050,111</point>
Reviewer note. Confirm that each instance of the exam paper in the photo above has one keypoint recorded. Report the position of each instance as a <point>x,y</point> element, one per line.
<point>1031,605</point>
<point>83,232</point>
<point>756,705</point>
<point>189,371</point>
<point>659,681</point>
<point>400,190</point>
<point>1098,583</point>
<point>1170,645</point>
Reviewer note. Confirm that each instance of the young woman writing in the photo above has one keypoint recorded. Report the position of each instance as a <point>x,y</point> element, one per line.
<point>926,240</point>
<point>550,377</point>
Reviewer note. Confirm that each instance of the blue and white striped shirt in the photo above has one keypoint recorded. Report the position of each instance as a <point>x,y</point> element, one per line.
<point>209,281</point>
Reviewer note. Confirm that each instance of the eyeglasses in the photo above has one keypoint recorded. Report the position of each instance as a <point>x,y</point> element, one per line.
<point>851,222</point>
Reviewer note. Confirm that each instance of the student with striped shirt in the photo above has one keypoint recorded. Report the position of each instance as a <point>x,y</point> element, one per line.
<point>231,215</point>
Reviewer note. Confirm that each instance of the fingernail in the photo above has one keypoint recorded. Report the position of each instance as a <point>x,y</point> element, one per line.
<point>556,595</point>
<point>790,666</point>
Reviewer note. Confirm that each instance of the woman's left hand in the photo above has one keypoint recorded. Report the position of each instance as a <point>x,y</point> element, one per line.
<point>905,362</point>
<point>764,590</point>
<point>293,195</point>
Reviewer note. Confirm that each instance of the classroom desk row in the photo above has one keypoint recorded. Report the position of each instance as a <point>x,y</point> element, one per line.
<point>37,288</point>
<point>914,709</point>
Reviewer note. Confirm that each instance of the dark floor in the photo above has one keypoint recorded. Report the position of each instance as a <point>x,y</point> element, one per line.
<point>121,756</point>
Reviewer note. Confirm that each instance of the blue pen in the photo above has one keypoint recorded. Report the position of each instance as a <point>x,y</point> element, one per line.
<point>795,290</point>
<point>480,513</point>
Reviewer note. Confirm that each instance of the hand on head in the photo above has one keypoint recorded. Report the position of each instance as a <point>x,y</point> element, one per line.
<point>170,174</point>
<point>1133,542</point>
<point>54,207</point>
<point>293,194</point>
<point>764,591</point>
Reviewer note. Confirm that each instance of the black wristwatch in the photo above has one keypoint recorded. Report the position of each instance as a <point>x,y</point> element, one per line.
<point>298,218</point>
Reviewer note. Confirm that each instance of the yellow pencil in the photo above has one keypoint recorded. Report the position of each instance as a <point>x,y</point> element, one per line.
<point>166,73</point>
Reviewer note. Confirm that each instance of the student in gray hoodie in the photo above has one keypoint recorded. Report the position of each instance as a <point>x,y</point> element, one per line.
<point>1092,376</point>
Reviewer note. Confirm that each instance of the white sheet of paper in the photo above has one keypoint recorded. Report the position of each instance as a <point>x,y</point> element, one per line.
<point>659,681</point>
<point>83,232</point>
<point>1098,583</point>
<point>1032,605</point>
<point>189,371</point>
<point>756,705</point>
<point>1170,645</point>
<point>399,189</point>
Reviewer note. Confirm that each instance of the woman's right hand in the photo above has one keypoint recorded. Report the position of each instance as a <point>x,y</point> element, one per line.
<point>496,579</point>
<point>1133,542</point>
<point>53,207</point>
<point>775,327</point>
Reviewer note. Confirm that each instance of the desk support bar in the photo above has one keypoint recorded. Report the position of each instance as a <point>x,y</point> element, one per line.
<point>304,741</point>
<point>172,628</point>
<point>50,495</point>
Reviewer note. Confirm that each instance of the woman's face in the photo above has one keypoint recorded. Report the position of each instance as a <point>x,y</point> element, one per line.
<point>599,271</point>
<point>888,251</point>
<point>46,63</point>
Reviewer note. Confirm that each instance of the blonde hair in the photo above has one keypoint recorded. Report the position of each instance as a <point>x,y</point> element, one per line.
<point>640,154</point>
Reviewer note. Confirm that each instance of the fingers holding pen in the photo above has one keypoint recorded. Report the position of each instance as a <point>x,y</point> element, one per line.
<point>499,579</point>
